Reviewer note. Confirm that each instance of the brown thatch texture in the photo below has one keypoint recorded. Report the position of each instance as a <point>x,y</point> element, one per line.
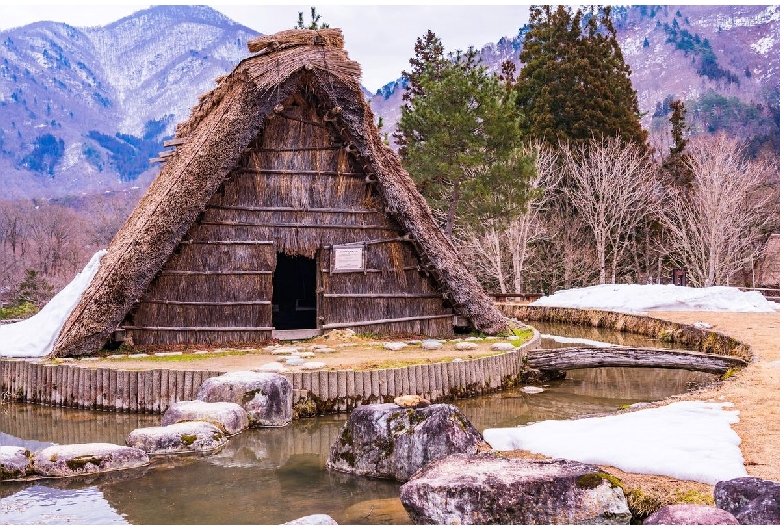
<point>221,126</point>
<point>322,37</point>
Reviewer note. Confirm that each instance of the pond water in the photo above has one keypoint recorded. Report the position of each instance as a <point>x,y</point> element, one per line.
<point>270,476</point>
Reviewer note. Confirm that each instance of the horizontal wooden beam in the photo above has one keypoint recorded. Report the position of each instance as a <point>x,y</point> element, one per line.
<point>174,142</point>
<point>165,154</point>
<point>216,242</point>
<point>175,302</point>
<point>383,321</point>
<point>291,209</point>
<point>212,273</point>
<point>302,225</point>
<point>301,172</point>
<point>183,328</point>
<point>156,160</point>
<point>624,357</point>
<point>296,149</point>
<point>382,295</point>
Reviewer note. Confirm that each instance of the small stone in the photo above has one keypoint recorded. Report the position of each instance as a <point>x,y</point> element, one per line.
<point>457,360</point>
<point>294,361</point>
<point>474,339</point>
<point>502,346</point>
<point>229,416</point>
<point>532,390</point>
<point>316,519</point>
<point>83,459</point>
<point>702,325</point>
<point>14,462</point>
<point>411,401</point>
<point>690,514</point>
<point>266,397</point>
<point>168,354</point>
<point>273,367</point>
<point>116,356</point>
<point>465,346</point>
<point>324,350</point>
<point>313,365</point>
<point>184,437</point>
<point>306,354</point>
<point>89,358</point>
<point>284,350</point>
<point>394,346</point>
<point>431,345</point>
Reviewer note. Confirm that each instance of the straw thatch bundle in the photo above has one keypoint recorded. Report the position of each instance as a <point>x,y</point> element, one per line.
<point>225,125</point>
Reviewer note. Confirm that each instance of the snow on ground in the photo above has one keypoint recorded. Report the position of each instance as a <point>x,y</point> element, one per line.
<point>576,340</point>
<point>635,298</point>
<point>35,336</point>
<point>687,440</point>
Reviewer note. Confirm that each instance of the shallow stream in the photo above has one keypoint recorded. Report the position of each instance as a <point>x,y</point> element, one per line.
<point>270,476</point>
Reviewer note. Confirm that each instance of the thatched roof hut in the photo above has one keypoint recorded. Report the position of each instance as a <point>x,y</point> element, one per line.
<point>280,207</point>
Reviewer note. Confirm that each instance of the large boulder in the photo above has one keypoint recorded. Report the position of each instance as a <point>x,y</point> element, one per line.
<point>85,459</point>
<point>231,417</point>
<point>266,397</point>
<point>388,441</point>
<point>14,462</point>
<point>751,500</point>
<point>185,437</point>
<point>489,489</point>
<point>690,514</point>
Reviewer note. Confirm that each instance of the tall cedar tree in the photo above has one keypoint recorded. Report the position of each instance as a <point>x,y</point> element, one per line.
<point>676,167</point>
<point>574,84</point>
<point>459,136</point>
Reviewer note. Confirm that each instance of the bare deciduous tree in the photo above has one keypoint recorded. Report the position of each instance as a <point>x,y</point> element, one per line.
<point>715,225</point>
<point>612,185</point>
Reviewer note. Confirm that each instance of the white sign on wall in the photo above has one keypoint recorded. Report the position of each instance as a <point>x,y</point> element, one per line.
<point>348,259</point>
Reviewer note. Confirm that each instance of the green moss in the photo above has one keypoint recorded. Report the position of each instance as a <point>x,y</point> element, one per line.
<point>188,439</point>
<point>80,462</point>
<point>643,503</point>
<point>305,408</point>
<point>348,457</point>
<point>53,458</point>
<point>594,480</point>
<point>731,372</point>
<point>23,310</point>
<point>521,336</point>
<point>666,336</point>
<point>346,438</point>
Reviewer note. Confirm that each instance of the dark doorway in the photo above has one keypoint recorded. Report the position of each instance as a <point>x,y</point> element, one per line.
<point>294,300</point>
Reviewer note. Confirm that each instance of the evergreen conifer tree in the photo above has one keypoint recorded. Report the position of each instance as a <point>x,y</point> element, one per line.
<point>575,84</point>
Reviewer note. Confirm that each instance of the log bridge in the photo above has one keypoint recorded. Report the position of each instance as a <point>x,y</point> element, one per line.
<point>625,357</point>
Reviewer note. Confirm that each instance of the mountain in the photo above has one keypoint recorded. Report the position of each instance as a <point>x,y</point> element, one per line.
<point>82,109</point>
<point>723,61</point>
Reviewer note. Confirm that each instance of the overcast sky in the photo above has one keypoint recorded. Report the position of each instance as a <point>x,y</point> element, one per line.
<point>380,37</point>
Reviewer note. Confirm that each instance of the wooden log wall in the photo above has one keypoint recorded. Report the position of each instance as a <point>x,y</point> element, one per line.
<point>297,190</point>
<point>153,391</point>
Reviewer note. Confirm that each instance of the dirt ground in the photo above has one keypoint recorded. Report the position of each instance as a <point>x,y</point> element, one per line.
<point>350,351</point>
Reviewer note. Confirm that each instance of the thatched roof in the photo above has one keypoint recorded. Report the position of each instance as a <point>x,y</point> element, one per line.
<point>221,126</point>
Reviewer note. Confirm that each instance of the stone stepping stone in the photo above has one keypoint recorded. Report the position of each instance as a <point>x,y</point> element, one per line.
<point>532,390</point>
<point>474,339</point>
<point>465,346</point>
<point>313,365</point>
<point>394,346</point>
<point>294,361</point>
<point>266,397</point>
<point>285,350</point>
<point>273,367</point>
<point>502,346</point>
<point>324,350</point>
<point>690,514</point>
<point>185,437</point>
<point>14,462</point>
<point>86,459</point>
<point>431,345</point>
<point>229,416</point>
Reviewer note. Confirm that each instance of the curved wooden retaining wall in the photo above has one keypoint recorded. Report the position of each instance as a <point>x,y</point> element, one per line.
<point>688,337</point>
<point>153,391</point>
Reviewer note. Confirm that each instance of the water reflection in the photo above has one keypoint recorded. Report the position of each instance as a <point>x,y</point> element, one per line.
<point>270,476</point>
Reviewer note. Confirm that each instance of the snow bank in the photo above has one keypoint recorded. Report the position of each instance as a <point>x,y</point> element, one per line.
<point>634,298</point>
<point>576,340</point>
<point>688,440</point>
<point>35,336</point>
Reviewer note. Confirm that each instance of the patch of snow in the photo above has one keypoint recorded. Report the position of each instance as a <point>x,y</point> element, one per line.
<point>762,46</point>
<point>702,325</point>
<point>688,440</point>
<point>635,298</point>
<point>576,340</point>
<point>35,336</point>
